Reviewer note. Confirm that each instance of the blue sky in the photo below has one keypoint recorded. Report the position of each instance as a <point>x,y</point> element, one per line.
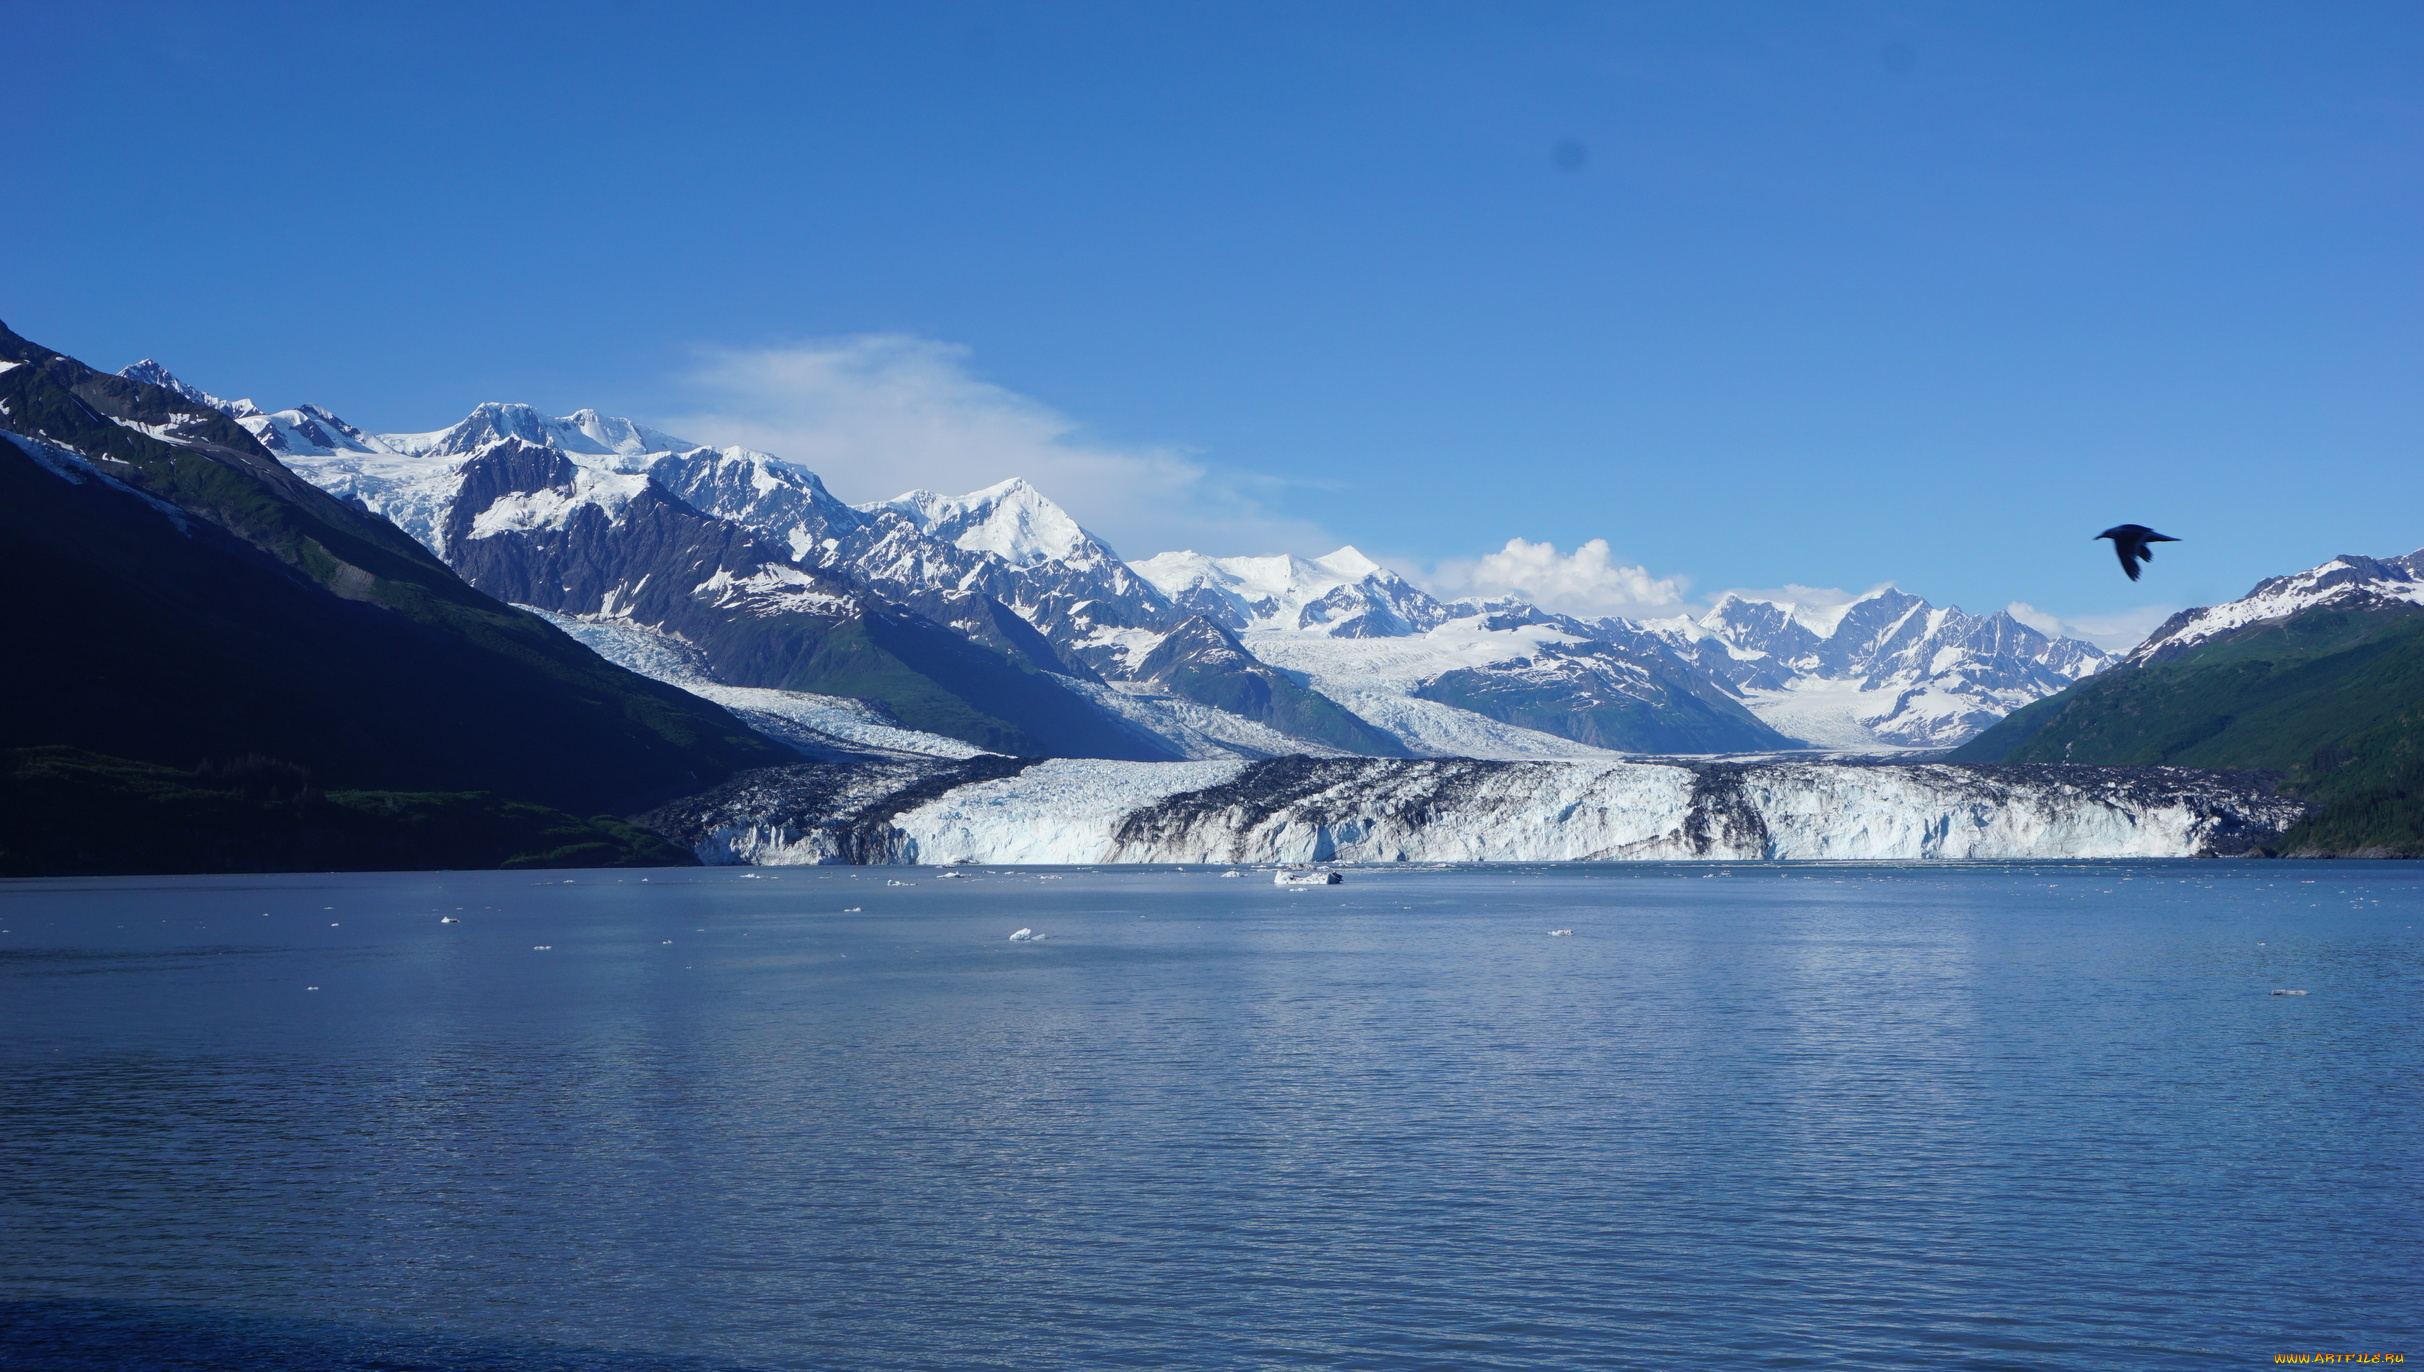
<point>1759,294</point>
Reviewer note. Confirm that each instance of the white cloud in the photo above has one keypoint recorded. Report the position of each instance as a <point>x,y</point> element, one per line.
<point>2117,633</point>
<point>879,414</point>
<point>1587,581</point>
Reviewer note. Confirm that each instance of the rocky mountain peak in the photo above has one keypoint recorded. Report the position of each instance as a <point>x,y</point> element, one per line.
<point>152,373</point>
<point>584,432</point>
<point>1343,594</point>
<point>1011,520</point>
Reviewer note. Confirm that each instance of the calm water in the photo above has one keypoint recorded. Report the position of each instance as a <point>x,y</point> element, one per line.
<point>1989,1117</point>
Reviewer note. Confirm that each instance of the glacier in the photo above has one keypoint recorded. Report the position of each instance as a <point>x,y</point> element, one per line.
<point>994,810</point>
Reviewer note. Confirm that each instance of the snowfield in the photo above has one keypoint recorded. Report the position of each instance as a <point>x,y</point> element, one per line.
<point>822,726</point>
<point>1374,677</point>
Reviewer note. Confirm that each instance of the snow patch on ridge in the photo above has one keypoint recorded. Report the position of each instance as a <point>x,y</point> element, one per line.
<point>76,469</point>
<point>555,507</point>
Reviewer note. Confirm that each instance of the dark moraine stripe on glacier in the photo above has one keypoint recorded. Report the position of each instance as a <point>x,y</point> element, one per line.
<point>1316,789</point>
<point>848,805</point>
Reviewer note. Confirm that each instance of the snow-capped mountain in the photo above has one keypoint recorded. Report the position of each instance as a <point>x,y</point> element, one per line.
<point>593,516</point>
<point>922,550</point>
<point>1886,668</point>
<point>2349,581</point>
<point>151,373</point>
<point>1011,543</point>
<point>529,523</point>
<point>1494,679</point>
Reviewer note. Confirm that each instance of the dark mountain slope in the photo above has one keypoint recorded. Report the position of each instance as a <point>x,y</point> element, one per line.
<point>1630,702</point>
<point>2331,696</point>
<point>177,596</point>
<point>1204,662</point>
<point>65,812</point>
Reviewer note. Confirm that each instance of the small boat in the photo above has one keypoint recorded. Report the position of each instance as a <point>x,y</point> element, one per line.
<point>1561,933</point>
<point>448,919</point>
<point>1284,877</point>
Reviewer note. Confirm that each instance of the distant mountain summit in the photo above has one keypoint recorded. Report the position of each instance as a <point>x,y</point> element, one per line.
<point>1342,595</point>
<point>582,431</point>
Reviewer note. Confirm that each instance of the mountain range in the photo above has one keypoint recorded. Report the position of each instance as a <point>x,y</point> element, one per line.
<point>995,620</point>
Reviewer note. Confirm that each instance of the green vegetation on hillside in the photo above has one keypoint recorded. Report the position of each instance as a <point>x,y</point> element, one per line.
<point>67,812</point>
<point>2333,699</point>
<point>928,677</point>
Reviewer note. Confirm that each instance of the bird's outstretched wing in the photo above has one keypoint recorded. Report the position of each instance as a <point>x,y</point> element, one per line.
<point>2129,552</point>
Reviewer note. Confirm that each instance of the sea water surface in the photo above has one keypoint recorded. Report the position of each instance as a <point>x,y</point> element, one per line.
<point>2043,1116</point>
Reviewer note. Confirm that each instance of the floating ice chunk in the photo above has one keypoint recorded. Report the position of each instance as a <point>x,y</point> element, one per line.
<point>1561,933</point>
<point>2286,992</point>
<point>1025,936</point>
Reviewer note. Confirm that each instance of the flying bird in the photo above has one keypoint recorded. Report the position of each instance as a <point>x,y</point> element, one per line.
<point>2129,544</point>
